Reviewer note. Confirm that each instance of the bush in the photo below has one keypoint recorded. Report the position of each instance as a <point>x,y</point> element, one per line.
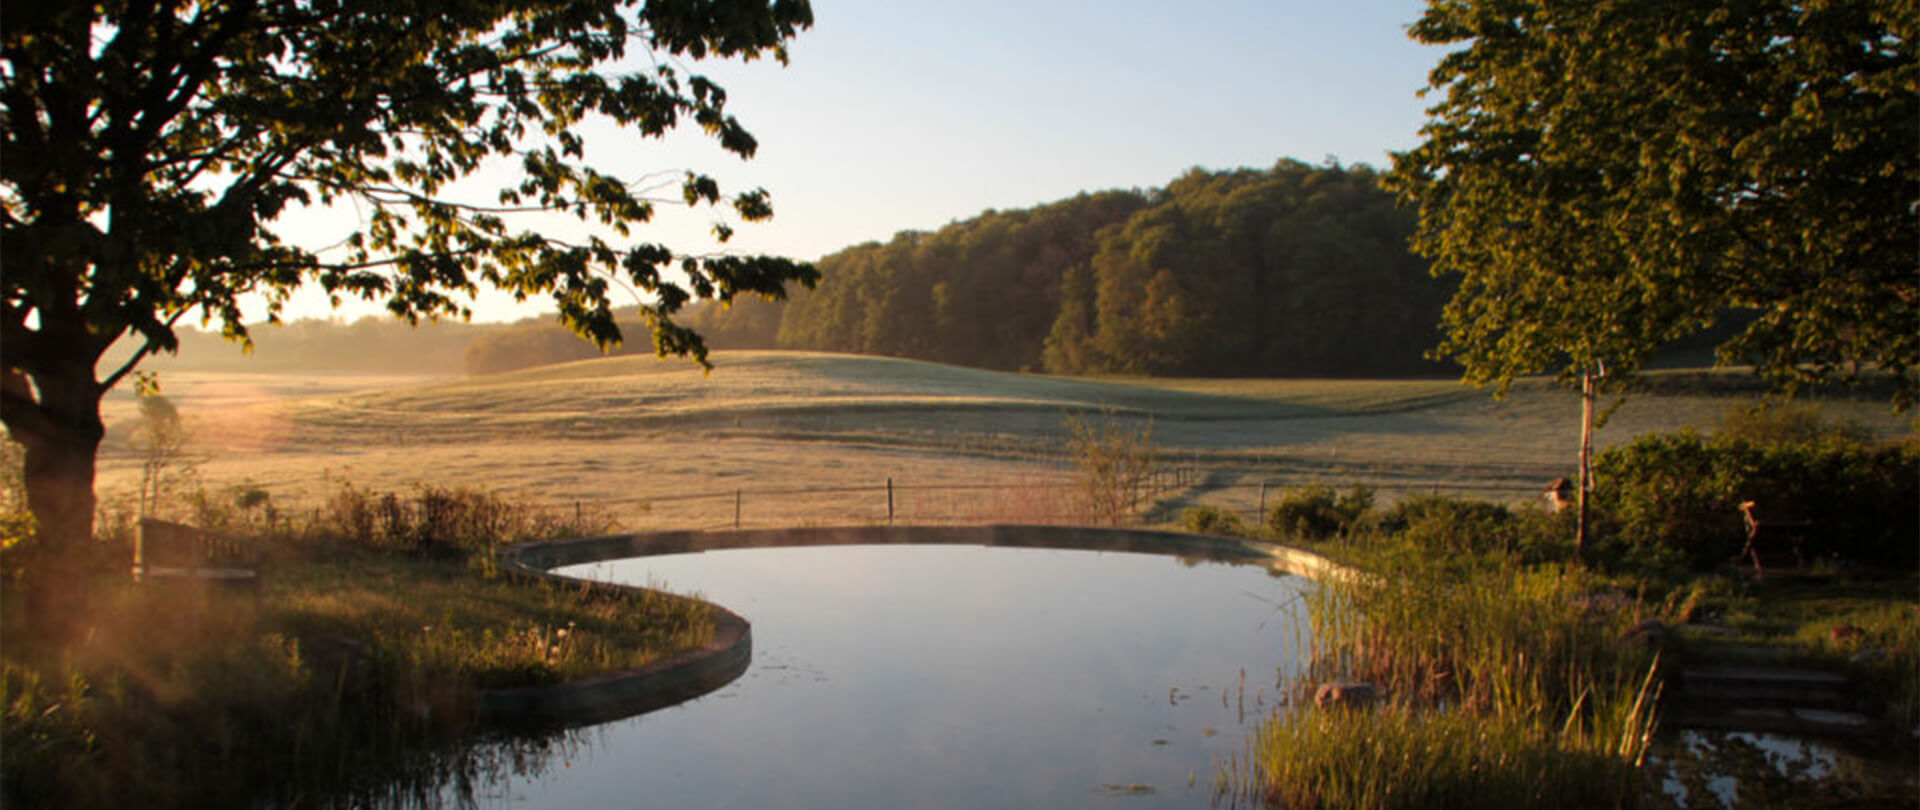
<point>1437,523</point>
<point>1116,463</point>
<point>1680,493</point>
<point>1215,521</point>
<point>1314,512</point>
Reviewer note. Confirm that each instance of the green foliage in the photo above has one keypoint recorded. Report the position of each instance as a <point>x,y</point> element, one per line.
<point>1315,512</point>
<point>1292,270</point>
<point>1443,525</point>
<point>1607,177</point>
<point>1213,520</point>
<point>1680,493</point>
<point>982,292</point>
<point>16,521</point>
<point>200,126</point>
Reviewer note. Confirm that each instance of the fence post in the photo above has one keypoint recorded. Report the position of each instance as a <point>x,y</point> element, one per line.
<point>1263,500</point>
<point>889,500</point>
<point>736,510</point>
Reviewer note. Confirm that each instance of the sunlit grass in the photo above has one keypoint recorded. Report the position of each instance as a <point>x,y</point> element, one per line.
<point>453,624</point>
<point>357,660</point>
<point>1503,686</point>
<point>1401,757</point>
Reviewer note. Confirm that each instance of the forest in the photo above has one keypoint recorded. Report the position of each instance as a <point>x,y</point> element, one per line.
<point>1296,270</point>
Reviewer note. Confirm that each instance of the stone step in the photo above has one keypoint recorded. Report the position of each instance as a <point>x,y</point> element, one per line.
<point>1765,685</point>
<point>1795,720</point>
<point>1764,674</point>
<point>1769,696</point>
<point>1778,699</point>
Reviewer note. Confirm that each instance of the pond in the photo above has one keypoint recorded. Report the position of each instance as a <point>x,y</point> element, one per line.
<point>948,676</point>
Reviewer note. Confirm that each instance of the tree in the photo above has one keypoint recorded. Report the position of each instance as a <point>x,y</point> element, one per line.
<point>160,439</point>
<point>1607,177</point>
<point>151,147</point>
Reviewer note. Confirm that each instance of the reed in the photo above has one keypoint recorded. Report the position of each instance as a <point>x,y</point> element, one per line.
<point>1503,685</point>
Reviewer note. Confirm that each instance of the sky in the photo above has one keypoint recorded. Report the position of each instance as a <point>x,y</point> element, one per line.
<point>900,115</point>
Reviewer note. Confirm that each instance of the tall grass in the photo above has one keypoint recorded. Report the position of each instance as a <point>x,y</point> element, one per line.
<point>1504,686</point>
<point>1401,757</point>
<point>348,674</point>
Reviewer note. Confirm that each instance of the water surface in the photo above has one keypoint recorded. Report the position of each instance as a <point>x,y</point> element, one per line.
<point>948,676</point>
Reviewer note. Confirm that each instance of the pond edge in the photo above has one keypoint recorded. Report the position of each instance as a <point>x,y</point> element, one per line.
<point>726,656</point>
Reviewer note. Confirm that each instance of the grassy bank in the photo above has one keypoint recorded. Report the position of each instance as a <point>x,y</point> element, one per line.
<point>347,676</point>
<point>1511,676</point>
<point>1516,672</point>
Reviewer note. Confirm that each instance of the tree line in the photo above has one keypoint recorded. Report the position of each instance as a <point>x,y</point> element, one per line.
<point>1295,270</point>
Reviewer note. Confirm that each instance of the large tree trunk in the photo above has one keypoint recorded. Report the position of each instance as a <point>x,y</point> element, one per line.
<point>60,429</point>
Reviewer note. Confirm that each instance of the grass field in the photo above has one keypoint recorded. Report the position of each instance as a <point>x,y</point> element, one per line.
<point>646,437</point>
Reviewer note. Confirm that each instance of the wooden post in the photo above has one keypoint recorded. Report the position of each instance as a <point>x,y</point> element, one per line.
<point>736,510</point>
<point>1263,500</point>
<point>889,500</point>
<point>1587,396</point>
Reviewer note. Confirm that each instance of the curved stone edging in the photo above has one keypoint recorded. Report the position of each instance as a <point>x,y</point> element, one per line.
<point>727,655</point>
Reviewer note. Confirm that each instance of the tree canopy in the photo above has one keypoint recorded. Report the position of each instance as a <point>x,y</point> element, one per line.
<point>151,148</point>
<point>1288,271</point>
<point>1606,177</point>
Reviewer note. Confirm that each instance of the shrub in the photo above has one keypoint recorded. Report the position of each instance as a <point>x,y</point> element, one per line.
<point>1215,521</point>
<point>1437,523</point>
<point>1315,512</point>
<point>1116,465</point>
<point>1681,492</point>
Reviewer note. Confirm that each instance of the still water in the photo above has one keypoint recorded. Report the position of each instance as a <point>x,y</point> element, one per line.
<point>947,676</point>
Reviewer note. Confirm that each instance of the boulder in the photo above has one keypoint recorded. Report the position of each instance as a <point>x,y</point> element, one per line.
<point>1345,695</point>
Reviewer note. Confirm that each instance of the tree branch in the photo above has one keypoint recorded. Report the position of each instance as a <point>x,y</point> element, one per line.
<point>147,347</point>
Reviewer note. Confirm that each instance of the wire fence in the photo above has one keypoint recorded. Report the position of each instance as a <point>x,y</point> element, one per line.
<point>1054,500</point>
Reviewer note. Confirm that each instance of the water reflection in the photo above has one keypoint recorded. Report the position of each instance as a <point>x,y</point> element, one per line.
<point>1701,770</point>
<point>934,676</point>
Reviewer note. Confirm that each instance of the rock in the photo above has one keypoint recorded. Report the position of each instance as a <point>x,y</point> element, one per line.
<point>1345,695</point>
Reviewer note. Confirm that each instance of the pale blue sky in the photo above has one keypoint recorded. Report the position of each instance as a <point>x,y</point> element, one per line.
<point>908,114</point>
